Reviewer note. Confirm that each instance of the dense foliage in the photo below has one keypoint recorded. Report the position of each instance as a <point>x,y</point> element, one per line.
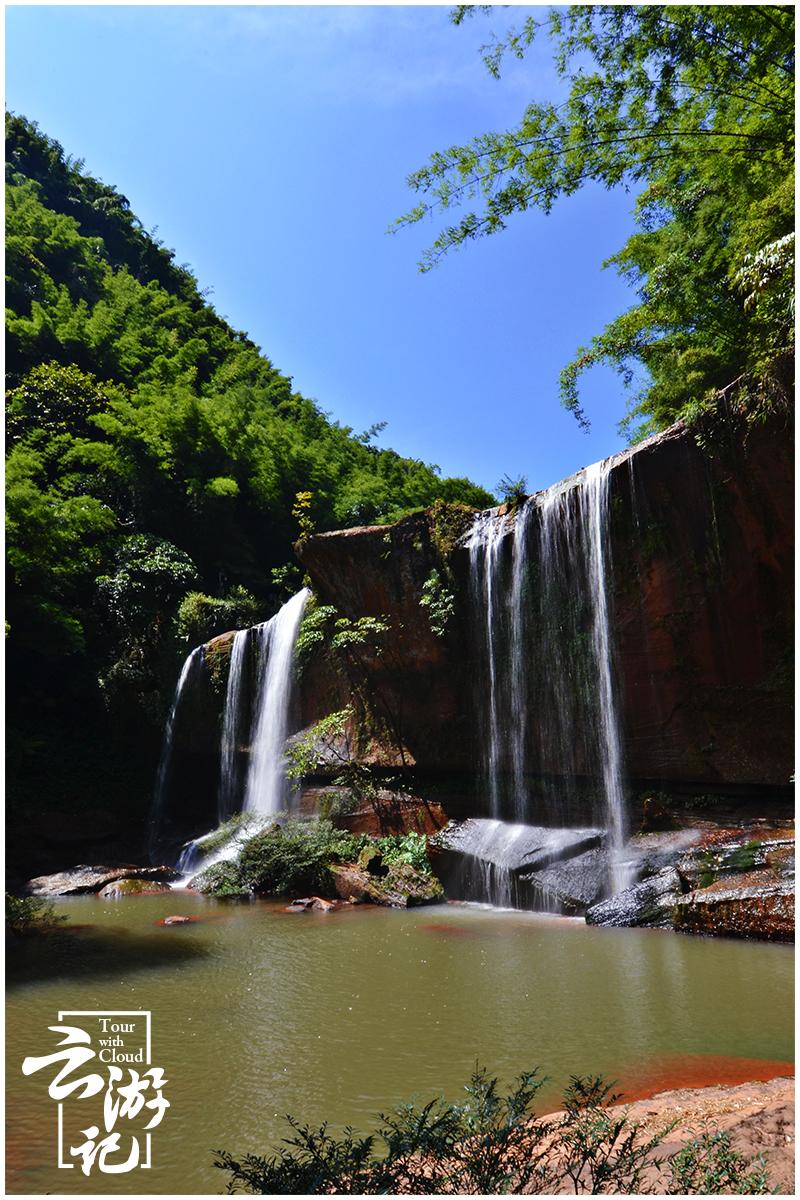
<point>490,1144</point>
<point>693,105</point>
<point>293,858</point>
<point>159,465</point>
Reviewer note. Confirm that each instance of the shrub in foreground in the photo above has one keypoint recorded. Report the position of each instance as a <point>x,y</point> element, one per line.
<point>491,1144</point>
<point>27,914</point>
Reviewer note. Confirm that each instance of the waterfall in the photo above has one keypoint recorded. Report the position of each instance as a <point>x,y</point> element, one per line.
<point>548,704</point>
<point>190,670</point>
<point>267,790</point>
<point>517,675</point>
<point>231,727</point>
<point>594,511</point>
<point>484,546</point>
<point>560,681</point>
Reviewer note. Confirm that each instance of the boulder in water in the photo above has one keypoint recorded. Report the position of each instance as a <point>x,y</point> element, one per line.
<point>572,886</point>
<point>522,866</point>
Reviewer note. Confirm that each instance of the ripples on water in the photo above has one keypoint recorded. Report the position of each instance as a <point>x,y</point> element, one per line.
<point>258,1013</point>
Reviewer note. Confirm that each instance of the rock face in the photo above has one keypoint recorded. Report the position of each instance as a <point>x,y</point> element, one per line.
<point>372,571</point>
<point>702,551</point>
<point>649,903</point>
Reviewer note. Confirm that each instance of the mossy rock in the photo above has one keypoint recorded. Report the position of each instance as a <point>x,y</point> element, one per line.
<point>222,880</point>
<point>402,887</point>
<point>371,860</point>
<point>419,887</point>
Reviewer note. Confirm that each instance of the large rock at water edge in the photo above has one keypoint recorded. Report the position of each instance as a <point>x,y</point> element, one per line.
<point>750,908</point>
<point>401,887</point>
<point>79,881</point>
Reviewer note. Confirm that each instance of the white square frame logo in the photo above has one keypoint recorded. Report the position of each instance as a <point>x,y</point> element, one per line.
<point>108,1013</point>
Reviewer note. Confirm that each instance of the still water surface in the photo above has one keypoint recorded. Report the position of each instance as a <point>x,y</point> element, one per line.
<point>258,1013</point>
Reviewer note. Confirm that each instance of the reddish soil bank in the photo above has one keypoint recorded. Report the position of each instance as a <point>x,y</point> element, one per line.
<point>759,1116</point>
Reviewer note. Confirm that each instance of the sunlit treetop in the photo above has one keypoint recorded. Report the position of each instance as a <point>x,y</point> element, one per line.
<point>693,105</point>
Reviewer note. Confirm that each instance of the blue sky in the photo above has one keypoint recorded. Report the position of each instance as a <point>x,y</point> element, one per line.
<point>270,146</point>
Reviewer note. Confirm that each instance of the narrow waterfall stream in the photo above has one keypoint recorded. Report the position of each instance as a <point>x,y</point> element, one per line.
<point>517,674</point>
<point>594,511</point>
<point>484,555</point>
<point>232,727</point>
<point>192,667</point>
<point>541,586</point>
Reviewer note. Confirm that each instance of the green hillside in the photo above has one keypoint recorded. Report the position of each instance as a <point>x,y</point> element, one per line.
<point>155,457</point>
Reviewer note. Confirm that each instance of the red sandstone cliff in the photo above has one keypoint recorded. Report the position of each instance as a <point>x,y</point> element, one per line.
<point>702,551</point>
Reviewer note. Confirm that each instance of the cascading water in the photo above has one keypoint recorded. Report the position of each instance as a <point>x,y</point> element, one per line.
<point>594,510</point>
<point>267,788</point>
<point>192,667</point>
<point>488,852</point>
<point>484,547</point>
<point>517,674</point>
<point>231,727</point>
<point>549,705</point>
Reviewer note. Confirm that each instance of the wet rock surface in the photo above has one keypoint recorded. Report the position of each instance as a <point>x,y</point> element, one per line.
<point>573,886</point>
<point>516,847</point>
<point>649,903</point>
<point>708,880</point>
<point>718,881</point>
<point>83,879</point>
<point>522,866</point>
<point>753,906</point>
